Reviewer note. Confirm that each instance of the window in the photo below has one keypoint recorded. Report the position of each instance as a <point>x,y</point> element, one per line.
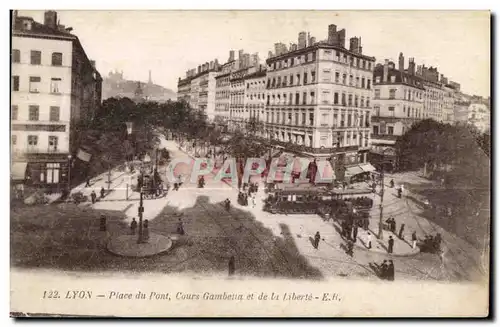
<point>16,55</point>
<point>377,94</point>
<point>311,118</point>
<point>324,119</point>
<point>313,76</point>
<point>36,57</point>
<point>14,139</point>
<point>337,77</point>
<point>291,61</point>
<point>342,120</point>
<point>314,56</point>
<point>53,143</point>
<point>325,95</point>
<point>335,98</point>
<point>351,80</point>
<point>14,112</point>
<point>363,82</point>
<point>362,102</point>
<point>296,118</point>
<point>55,84</point>
<point>375,129</point>
<point>368,84</point>
<point>304,98</point>
<point>368,103</point>
<point>312,98</point>
<point>298,79</point>
<point>285,80</point>
<point>297,98</point>
<point>35,84</point>
<point>56,59</point>
<point>391,111</point>
<point>349,100</point>
<point>305,78</point>
<point>303,118</point>
<point>32,140</point>
<point>291,79</point>
<point>390,130</point>
<point>356,100</point>
<point>377,110</point>
<point>343,99</point>
<point>54,113</point>
<point>344,79</point>
<point>392,94</point>
<point>357,81</point>
<point>15,83</point>
<point>34,112</point>
<point>404,108</point>
<point>349,120</point>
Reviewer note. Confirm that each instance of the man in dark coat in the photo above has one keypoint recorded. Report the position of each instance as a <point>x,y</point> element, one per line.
<point>383,270</point>
<point>93,196</point>
<point>133,226</point>
<point>390,247</point>
<point>393,225</point>
<point>180,227</point>
<point>231,266</point>
<point>103,192</point>
<point>87,184</point>
<point>401,230</point>
<point>355,233</point>
<point>390,271</point>
<point>317,237</point>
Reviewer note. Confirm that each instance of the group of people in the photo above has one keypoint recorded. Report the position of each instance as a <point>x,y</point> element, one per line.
<point>248,191</point>
<point>350,230</point>
<point>145,228</point>
<point>386,270</point>
<point>93,195</point>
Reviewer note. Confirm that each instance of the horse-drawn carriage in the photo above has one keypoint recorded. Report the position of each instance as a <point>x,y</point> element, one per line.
<point>151,185</point>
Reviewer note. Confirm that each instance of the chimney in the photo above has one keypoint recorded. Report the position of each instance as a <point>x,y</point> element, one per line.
<point>92,63</point>
<point>216,64</point>
<point>302,40</point>
<point>419,70</point>
<point>231,55</point>
<point>341,38</point>
<point>411,66</point>
<point>386,71</point>
<point>50,19</point>
<point>401,62</point>
<point>240,54</point>
<point>332,33</point>
<point>199,69</point>
<point>313,40</point>
<point>294,47</point>
<point>354,44</point>
<point>269,54</point>
<point>212,64</point>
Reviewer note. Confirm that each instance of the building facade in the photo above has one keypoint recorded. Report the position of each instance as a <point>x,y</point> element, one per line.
<point>397,105</point>
<point>449,104</point>
<point>255,95</point>
<point>54,86</point>
<point>319,98</point>
<point>479,116</point>
<point>223,91</point>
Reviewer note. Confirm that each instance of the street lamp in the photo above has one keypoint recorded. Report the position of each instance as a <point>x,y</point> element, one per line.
<point>381,224</point>
<point>129,132</point>
<point>69,172</point>
<point>140,212</point>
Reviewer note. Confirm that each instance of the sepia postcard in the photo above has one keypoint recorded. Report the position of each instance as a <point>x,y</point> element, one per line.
<point>170,163</point>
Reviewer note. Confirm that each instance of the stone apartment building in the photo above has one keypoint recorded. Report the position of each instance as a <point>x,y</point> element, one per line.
<point>54,86</point>
<point>319,98</point>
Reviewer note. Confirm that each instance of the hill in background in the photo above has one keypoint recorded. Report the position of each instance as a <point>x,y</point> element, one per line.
<point>114,85</point>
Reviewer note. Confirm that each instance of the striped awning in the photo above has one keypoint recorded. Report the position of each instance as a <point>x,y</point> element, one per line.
<point>354,170</point>
<point>18,170</point>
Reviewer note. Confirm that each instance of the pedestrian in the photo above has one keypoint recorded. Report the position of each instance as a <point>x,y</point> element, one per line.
<point>369,240</point>
<point>231,266</point>
<point>349,231</point>
<point>253,201</point>
<point>393,225</point>
<point>87,184</point>
<point>93,196</point>
<point>390,247</point>
<point>355,233</point>
<point>350,248</point>
<point>413,239</point>
<point>317,237</point>
<point>180,227</point>
<point>390,271</point>
<point>392,183</point>
<point>133,226</point>
<point>102,192</point>
<point>383,270</point>
<point>401,230</point>
<point>145,230</point>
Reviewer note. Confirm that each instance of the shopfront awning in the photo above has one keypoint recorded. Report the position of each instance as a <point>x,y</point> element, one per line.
<point>352,171</point>
<point>367,167</point>
<point>18,170</point>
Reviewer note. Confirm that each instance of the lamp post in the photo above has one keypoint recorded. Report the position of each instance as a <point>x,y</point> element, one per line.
<point>140,211</point>
<point>381,223</point>
<point>69,172</point>
<point>129,132</point>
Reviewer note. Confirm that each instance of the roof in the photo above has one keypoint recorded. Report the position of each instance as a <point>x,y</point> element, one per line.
<point>257,74</point>
<point>322,45</point>
<point>412,80</point>
<point>39,29</point>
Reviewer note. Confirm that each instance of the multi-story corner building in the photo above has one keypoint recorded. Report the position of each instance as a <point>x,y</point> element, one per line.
<point>54,86</point>
<point>255,95</point>
<point>434,92</point>
<point>319,97</point>
<point>198,88</point>
<point>223,90</point>
<point>397,104</point>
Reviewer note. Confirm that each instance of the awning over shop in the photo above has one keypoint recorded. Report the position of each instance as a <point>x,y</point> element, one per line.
<point>352,171</point>
<point>367,167</point>
<point>18,170</point>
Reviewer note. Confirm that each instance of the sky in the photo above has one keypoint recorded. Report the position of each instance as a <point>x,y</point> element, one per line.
<point>170,42</point>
